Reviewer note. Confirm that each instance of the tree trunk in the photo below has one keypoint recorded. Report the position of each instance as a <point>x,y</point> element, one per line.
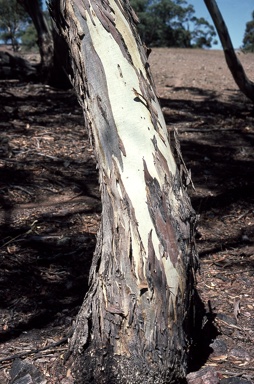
<point>133,324</point>
<point>245,85</point>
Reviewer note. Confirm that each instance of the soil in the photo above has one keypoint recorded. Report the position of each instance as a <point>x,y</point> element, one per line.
<point>50,211</point>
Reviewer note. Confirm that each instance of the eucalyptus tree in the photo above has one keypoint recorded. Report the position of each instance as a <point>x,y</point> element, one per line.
<point>172,23</point>
<point>248,39</point>
<point>136,319</point>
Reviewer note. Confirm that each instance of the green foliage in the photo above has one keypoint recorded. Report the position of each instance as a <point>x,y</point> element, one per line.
<point>203,33</point>
<point>248,40</point>
<point>172,23</point>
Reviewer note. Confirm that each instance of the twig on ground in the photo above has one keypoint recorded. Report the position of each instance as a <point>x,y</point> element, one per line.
<point>238,374</point>
<point>22,234</point>
<point>36,350</point>
<point>21,189</point>
<point>234,272</point>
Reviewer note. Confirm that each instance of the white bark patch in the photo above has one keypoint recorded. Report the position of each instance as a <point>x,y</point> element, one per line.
<point>124,28</point>
<point>172,276</point>
<point>135,129</point>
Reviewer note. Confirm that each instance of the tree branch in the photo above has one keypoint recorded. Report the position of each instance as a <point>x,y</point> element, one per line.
<point>245,85</point>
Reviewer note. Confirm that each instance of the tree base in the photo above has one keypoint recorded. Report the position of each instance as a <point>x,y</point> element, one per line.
<point>102,367</point>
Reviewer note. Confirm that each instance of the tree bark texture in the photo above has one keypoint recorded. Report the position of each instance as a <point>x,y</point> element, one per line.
<point>245,85</point>
<point>133,324</point>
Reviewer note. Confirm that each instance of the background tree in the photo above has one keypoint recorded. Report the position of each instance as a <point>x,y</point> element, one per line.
<point>13,21</point>
<point>234,64</point>
<point>25,21</point>
<point>203,33</point>
<point>172,23</point>
<point>44,36</point>
<point>134,324</point>
<point>53,49</point>
<point>28,37</point>
<point>248,40</point>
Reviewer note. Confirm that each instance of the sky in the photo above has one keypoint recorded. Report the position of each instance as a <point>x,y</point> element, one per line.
<point>236,13</point>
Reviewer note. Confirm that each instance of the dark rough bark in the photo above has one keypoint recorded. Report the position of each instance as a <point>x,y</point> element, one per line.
<point>133,326</point>
<point>234,64</point>
<point>61,63</point>
<point>23,372</point>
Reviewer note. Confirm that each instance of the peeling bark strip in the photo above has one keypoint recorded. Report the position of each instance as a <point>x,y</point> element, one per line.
<point>162,221</point>
<point>130,327</point>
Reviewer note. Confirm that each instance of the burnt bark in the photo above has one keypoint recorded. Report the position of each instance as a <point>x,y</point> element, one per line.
<point>134,323</point>
<point>245,85</point>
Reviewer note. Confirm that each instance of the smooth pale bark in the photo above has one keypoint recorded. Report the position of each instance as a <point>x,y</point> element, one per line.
<point>234,64</point>
<point>133,325</point>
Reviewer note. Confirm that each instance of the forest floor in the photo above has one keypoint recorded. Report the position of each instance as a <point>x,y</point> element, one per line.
<point>50,211</point>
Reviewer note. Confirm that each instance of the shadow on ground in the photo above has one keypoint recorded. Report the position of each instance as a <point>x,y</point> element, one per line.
<point>217,138</point>
<point>50,208</point>
<point>50,205</point>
